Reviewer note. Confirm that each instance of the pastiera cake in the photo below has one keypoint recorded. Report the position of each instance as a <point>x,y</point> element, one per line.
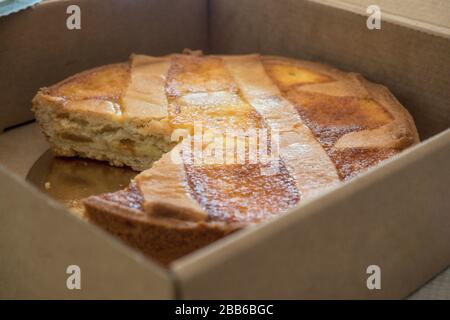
<point>237,139</point>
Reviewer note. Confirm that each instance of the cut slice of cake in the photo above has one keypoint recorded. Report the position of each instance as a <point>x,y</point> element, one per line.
<point>116,113</point>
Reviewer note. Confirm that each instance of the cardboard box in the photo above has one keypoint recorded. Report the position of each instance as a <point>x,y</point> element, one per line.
<point>395,216</point>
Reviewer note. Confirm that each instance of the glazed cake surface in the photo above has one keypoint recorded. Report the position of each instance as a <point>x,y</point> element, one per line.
<point>237,139</point>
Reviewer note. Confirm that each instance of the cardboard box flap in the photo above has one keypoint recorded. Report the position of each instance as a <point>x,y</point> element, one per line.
<point>426,16</point>
<point>325,262</point>
<point>39,240</point>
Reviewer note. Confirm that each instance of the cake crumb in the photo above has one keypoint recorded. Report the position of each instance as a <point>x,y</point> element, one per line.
<point>47,185</point>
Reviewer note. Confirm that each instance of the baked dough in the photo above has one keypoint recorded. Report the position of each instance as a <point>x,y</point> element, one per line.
<point>322,126</point>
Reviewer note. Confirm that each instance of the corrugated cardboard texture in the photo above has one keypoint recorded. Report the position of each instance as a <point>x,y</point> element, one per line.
<point>413,64</point>
<point>396,217</point>
<point>437,289</point>
<point>38,50</point>
<point>39,240</point>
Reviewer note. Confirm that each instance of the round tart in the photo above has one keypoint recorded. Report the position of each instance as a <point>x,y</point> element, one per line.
<point>223,142</point>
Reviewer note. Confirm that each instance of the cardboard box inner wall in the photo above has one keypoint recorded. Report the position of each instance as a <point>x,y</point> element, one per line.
<point>320,249</point>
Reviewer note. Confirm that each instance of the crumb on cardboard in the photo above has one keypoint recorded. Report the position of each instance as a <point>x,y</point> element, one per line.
<point>47,185</point>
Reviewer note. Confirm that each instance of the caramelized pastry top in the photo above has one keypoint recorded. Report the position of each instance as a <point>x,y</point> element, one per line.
<point>315,126</point>
<point>201,90</point>
<point>242,192</point>
<point>105,83</point>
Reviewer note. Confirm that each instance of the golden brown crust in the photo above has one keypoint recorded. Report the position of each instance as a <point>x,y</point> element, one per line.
<point>355,85</point>
<point>358,123</point>
<point>105,82</point>
<point>163,239</point>
<point>333,125</point>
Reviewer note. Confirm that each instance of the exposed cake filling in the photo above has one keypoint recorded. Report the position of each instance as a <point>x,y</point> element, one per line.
<point>125,123</point>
